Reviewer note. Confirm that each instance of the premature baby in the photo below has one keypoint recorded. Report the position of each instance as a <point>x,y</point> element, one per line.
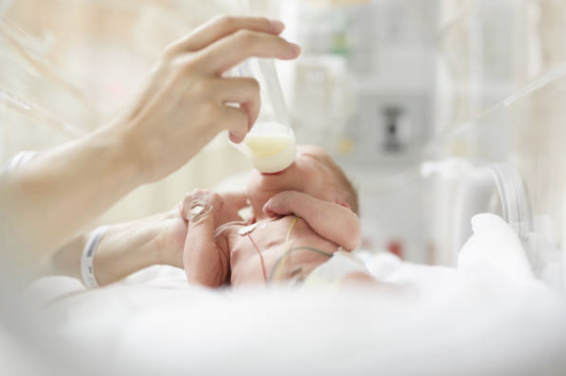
<point>301,217</point>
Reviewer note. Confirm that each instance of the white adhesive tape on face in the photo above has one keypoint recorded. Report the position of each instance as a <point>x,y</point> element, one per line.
<point>87,260</point>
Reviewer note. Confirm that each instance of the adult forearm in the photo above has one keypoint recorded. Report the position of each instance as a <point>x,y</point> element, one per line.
<point>179,110</point>
<point>124,249</point>
<point>54,196</point>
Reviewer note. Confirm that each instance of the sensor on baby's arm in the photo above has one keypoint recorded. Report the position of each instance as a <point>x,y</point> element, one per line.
<point>198,210</point>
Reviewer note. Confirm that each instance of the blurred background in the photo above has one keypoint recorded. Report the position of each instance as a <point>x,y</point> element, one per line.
<point>409,96</point>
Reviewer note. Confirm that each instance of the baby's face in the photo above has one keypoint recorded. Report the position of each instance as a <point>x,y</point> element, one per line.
<point>311,173</point>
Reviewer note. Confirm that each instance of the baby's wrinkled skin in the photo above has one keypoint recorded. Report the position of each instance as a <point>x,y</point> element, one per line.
<point>218,249</point>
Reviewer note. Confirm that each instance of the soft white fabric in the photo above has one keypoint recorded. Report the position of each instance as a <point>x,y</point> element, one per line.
<point>494,249</point>
<point>332,272</point>
<point>488,317</point>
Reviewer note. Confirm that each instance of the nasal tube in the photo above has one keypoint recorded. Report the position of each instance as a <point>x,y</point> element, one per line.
<point>270,145</point>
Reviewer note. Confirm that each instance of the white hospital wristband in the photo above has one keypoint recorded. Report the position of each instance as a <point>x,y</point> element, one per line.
<point>87,264</point>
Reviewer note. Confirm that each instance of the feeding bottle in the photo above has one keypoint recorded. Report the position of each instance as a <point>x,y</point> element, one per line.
<point>270,145</point>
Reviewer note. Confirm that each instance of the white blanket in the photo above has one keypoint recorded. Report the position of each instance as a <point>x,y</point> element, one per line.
<point>487,317</point>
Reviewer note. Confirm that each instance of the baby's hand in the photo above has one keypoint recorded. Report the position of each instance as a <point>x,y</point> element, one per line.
<point>280,205</point>
<point>200,203</point>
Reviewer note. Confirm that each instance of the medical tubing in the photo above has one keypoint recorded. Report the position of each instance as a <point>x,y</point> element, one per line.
<point>260,257</point>
<point>286,247</point>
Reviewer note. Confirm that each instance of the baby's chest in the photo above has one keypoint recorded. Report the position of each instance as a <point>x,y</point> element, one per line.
<point>245,240</point>
<point>271,238</point>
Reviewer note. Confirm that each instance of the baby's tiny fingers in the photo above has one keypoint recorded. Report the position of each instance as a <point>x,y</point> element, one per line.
<point>268,212</point>
<point>273,209</point>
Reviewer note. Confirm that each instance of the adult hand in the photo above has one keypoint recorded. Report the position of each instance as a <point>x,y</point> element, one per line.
<point>183,104</point>
<point>181,108</point>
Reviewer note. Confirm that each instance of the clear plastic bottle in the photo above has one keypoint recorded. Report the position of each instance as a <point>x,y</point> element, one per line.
<point>270,145</point>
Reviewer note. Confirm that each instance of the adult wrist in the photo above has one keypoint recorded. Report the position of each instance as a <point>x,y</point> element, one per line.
<point>87,259</point>
<point>125,249</point>
<point>126,152</point>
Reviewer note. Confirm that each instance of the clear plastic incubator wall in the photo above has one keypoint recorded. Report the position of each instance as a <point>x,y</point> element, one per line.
<point>450,109</point>
<point>437,109</point>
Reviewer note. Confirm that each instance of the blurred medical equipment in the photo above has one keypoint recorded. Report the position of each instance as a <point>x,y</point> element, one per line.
<point>437,82</point>
<point>365,90</point>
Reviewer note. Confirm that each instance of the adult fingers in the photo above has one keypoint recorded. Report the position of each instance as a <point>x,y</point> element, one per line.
<point>222,26</point>
<point>236,121</point>
<point>243,90</point>
<point>232,50</point>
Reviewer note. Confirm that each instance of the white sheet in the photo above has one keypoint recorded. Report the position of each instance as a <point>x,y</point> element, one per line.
<point>474,320</point>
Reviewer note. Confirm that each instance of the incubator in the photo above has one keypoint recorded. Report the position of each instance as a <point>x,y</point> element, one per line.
<point>270,145</point>
<point>510,160</point>
<point>515,167</point>
<point>418,192</point>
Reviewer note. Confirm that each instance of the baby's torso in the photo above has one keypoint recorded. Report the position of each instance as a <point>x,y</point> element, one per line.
<point>283,260</point>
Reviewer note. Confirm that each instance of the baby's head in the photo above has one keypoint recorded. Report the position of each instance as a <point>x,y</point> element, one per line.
<point>313,172</point>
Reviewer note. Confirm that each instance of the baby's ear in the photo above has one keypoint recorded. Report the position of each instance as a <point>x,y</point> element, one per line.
<point>343,203</point>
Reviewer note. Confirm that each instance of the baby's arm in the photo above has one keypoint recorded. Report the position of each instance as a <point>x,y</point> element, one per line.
<point>333,222</point>
<point>206,259</point>
<point>233,203</point>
